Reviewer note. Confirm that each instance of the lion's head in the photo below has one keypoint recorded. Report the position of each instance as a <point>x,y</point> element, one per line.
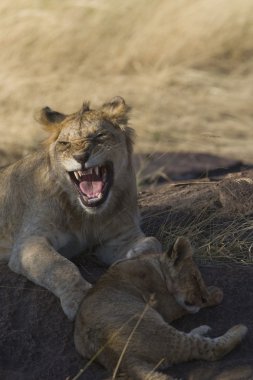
<point>183,277</point>
<point>91,151</point>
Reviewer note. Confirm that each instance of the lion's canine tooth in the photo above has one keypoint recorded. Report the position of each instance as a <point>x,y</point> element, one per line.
<point>97,170</point>
<point>80,173</point>
<point>76,175</point>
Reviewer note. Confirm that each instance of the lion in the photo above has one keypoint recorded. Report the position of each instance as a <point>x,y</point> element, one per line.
<point>124,320</point>
<point>76,194</point>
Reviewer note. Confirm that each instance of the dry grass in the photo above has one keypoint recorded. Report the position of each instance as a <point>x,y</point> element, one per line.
<point>217,234</point>
<point>185,66</point>
<point>216,240</point>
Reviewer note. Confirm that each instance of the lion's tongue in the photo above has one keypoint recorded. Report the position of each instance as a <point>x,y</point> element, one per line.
<point>91,188</point>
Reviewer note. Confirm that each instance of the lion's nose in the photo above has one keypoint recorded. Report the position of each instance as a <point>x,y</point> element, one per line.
<point>82,157</point>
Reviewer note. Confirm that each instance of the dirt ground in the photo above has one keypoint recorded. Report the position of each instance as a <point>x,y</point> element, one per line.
<point>36,339</point>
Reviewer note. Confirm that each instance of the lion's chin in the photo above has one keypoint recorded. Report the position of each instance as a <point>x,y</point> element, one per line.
<point>93,185</point>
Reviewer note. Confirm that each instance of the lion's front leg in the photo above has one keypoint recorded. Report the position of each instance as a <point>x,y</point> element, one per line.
<point>36,259</point>
<point>144,245</point>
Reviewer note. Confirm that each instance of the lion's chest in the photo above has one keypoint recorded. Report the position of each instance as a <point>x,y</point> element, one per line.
<point>106,237</point>
<point>70,244</point>
<point>65,243</point>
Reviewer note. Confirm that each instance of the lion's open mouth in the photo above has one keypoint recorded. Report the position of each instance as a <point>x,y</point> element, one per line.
<point>93,184</point>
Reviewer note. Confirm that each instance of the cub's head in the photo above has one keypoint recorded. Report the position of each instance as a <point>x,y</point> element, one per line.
<point>182,276</point>
<point>91,151</point>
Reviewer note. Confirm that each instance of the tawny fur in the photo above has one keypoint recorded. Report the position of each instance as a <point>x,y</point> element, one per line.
<point>149,292</point>
<point>42,222</point>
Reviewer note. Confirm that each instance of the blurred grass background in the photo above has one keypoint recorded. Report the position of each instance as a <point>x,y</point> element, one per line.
<point>186,67</point>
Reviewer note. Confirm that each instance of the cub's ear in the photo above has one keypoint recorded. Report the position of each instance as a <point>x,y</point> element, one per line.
<point>180,250</point>
<point>48,117</point>
<point>116,111</point>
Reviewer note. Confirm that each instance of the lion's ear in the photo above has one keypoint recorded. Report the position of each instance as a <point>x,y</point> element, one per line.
<point>180,250</point>
<point>49,118</point>
<point>116,111</point>
<point>51,121</point>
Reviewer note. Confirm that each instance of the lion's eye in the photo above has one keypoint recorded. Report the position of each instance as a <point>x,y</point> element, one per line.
<point>100,135</point>
<point>64,143</point>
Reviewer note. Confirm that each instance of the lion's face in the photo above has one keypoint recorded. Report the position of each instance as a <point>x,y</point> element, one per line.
<point>183,276</point>
<point>91,150</point>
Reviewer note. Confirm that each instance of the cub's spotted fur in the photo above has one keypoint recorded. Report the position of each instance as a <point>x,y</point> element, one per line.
<point>144,295</point>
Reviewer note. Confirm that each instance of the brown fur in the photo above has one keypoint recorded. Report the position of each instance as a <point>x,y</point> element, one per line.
<point>149,292</point>
<point>43,221</point>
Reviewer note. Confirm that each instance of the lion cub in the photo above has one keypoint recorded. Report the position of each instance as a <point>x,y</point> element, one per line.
<point>124,320</point>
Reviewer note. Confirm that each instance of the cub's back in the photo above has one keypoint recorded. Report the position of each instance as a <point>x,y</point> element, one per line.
<point>116,303</point>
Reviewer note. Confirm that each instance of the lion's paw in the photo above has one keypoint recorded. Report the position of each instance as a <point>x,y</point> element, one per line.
<point>144,245</point>
<point>71,300</point>
<point>215,295</point>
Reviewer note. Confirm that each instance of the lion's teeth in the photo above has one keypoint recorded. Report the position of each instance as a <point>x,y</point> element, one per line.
<point>79,173</point>
<point>76,175</point>
<point>100,195</point>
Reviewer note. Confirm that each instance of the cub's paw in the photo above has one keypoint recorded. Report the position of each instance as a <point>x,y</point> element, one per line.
<point>237,332</point>
<point>215,296</point>
<point>71,300</point>
<point>201,330</point>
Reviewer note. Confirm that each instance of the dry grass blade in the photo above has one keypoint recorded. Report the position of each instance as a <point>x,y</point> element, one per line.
<point>155,367</point>
<point>129,339</point>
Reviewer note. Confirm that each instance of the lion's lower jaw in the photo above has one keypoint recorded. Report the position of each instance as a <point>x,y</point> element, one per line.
<point>116,200</point>
<point>96,210</point>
